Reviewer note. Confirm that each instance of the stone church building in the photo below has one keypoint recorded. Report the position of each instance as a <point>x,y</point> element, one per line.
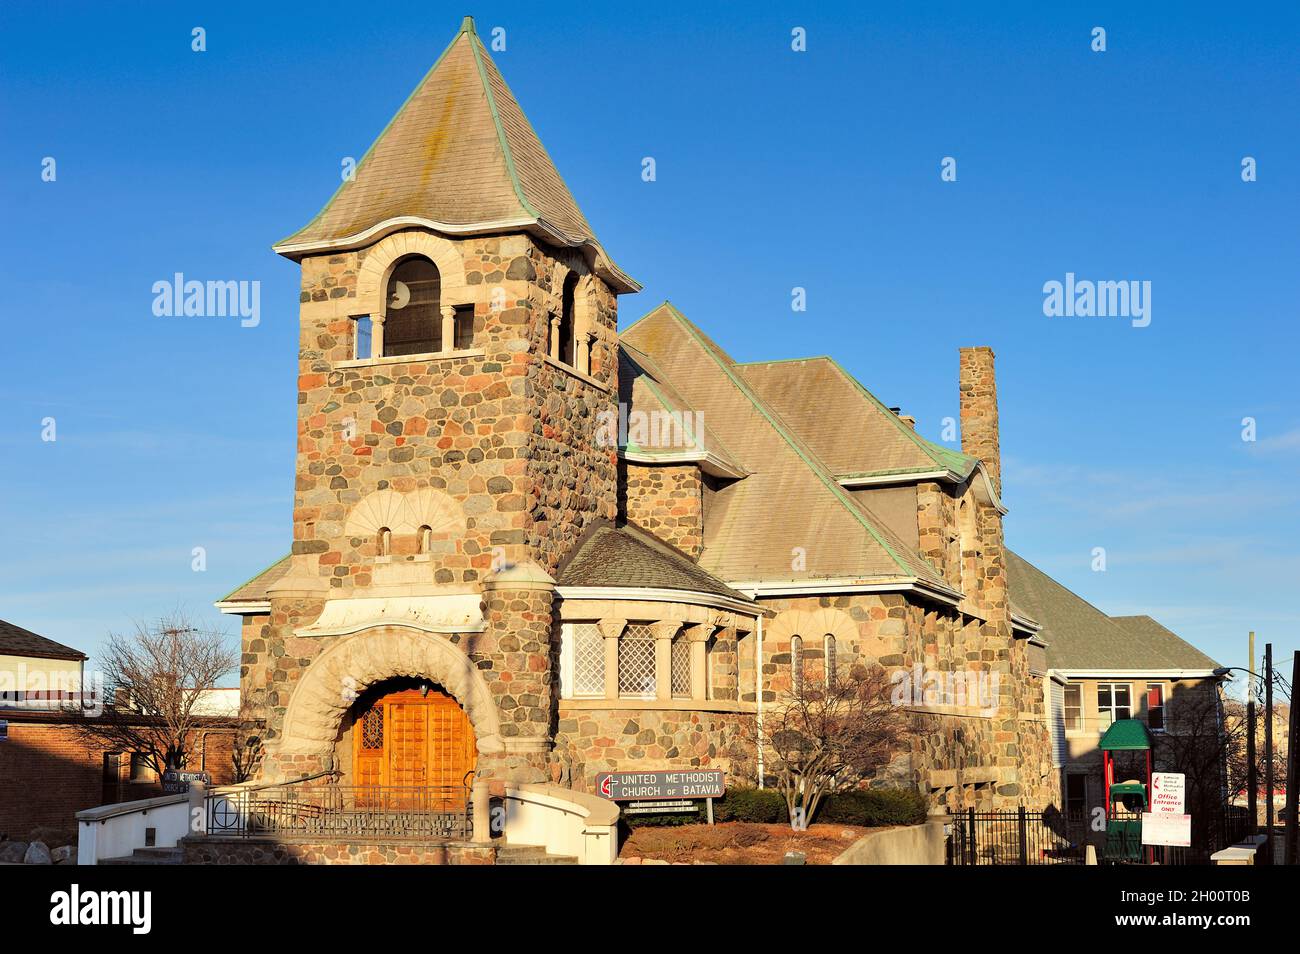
<point>535,547</point>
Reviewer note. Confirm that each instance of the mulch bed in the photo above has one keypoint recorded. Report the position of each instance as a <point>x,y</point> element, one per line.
<point>738,843</point>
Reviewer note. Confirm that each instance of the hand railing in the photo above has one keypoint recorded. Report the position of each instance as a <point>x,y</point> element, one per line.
<point>342,811</point>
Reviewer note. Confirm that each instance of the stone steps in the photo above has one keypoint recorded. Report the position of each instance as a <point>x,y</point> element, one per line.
<point>147,856</point>
<point>531,855</point>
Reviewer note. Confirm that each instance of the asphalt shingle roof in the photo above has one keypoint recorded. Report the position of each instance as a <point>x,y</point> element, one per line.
<point>459,154</point>
<point>847,426</point>
<point>609,555</point>
<point>788,519</point>
<point>16,641</point>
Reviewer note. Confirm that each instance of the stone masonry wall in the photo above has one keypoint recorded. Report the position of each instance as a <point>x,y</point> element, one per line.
<point>242,851</point>
<point>505,433</point>
<point>666,500</point>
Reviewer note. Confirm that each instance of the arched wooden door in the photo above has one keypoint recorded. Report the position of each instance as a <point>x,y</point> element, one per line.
<point>413,738</point>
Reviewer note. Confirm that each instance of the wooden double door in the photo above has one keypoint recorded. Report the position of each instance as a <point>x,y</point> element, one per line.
<point>412,739</point>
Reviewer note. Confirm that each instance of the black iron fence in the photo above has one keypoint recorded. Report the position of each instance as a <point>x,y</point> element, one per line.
<point>421,813</point>
<point>1022,837</point>
<point>1016,837</point>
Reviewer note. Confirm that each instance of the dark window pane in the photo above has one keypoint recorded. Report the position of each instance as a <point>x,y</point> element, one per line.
<point>414,321</point>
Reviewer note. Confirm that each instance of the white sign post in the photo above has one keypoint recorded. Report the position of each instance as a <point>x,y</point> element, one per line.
<point>1166,828</point>
<point>1168,793</point>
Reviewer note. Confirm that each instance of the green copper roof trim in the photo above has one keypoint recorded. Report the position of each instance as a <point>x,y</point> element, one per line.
<point>949,459</point>
<point>672,408</point>
<point>406,102</point>
<point>889,472</point>
<point>254,576</point>
<point>789,438</point>
<point>474,45</point>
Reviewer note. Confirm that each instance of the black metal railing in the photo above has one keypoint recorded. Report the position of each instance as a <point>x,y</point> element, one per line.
<point>1016,837</point>
<point>1022,837</point>
<point>334,811</point>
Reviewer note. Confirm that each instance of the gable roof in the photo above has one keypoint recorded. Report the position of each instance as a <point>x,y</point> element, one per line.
<point>642,386</point>
<point>16,641</point>
<point>459,157</point>
<point>790,499</point>
<point>254,590</point>
<point>848,427</point>
<point>627,555</point>
<point>1177,650</point>
<point>1080,636</point>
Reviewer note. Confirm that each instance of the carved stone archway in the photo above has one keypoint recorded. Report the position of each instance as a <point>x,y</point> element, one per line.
<point>372,277</point>
<point>351,664</point>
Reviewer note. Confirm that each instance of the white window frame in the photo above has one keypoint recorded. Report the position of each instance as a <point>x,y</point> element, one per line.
<point>646,694</point>
<point>1103,726</point>
<point>1065,708</point>
<point>568,663</point>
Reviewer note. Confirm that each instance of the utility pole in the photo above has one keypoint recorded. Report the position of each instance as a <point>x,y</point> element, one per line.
<point>1290,856</point>
<point>1268,752</point>
<point>1252,769</point>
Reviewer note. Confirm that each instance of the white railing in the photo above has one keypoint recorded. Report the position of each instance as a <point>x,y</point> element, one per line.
<point>564,822</point>
<point>115,831</point>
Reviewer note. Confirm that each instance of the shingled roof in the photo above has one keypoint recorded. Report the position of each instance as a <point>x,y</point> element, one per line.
<point>847,426</point>
<point>16,641</point>
<point>458,157</point>
<point>609,555</point>
<point>1081,637</point>
<point>790,501</point>
<point>255,590</point>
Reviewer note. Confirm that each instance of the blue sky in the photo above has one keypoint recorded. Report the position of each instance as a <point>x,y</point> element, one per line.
<point>775,169</point>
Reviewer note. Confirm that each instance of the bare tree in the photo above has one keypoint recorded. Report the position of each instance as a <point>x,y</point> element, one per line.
<point>157,679</point>
<point>828,736</point>
<point>246,747</point>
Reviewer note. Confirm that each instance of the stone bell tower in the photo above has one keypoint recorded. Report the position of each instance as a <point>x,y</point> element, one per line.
<point>457,348</point>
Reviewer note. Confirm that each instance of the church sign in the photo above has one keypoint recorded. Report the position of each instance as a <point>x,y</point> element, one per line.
<point>174,782</point>
<point>640,786</point>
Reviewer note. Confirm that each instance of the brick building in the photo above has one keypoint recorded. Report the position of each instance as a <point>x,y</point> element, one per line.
<point>48,773</point>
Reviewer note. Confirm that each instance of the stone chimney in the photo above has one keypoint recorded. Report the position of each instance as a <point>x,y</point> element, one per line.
<point>979,411</point>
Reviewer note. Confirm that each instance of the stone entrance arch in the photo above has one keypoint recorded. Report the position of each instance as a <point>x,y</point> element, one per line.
<point>353,663</point>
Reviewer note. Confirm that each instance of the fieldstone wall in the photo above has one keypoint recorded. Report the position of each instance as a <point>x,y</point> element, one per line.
<point>668,501</point>
<point>247,851</point>
<point>591,741</point>
<point>501,432</point>
<point>505,433</point>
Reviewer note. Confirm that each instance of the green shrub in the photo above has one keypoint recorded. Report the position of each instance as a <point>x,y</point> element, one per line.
<point>764,806</point>
<point>666,820</point>
<point>873,808</point>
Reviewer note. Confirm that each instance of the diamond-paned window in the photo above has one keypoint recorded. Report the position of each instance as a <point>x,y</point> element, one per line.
<point>372,728</point>
<point>588,660</point>
<point>636,662</point>
<point>681,668</point>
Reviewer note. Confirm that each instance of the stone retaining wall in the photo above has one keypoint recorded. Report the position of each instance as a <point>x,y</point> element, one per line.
<point>247,851</point>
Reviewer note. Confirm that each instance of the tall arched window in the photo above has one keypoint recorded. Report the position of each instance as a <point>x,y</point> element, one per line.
<point>384,541</point>
<point>566,344</point>
<point>413,319</point>
<point>425,539</point>
<point>830,659</point>
<point>796,664</point>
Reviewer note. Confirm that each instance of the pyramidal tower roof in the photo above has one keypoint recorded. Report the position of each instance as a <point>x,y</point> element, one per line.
<point>459,157</point>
